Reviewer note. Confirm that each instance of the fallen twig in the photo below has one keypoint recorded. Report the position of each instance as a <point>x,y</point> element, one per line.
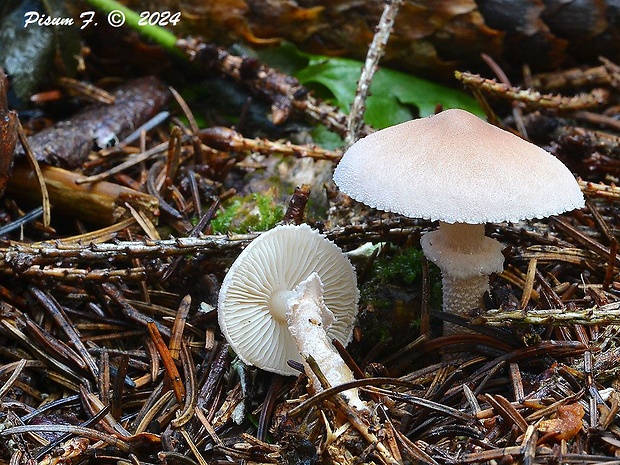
<point>597,315</point>
<point>532,98</point>
<point>376,50</point>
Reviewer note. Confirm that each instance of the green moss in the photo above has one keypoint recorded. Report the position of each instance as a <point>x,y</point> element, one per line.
<point>405,268</point>
<point>254,212</point>
<point>391,296</point>
<point>221,223</point>
<point>269,213</point>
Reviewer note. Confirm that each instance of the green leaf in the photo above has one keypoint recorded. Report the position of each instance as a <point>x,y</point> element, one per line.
<point>334,75</point>
<point>326,138</point>
<point>422,93</point>
<point>393,93</point>
<point>286,57</point>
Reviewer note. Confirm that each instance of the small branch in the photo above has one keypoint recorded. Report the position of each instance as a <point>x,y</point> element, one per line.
<point>42,260</point>
<point>573,78</point>
<point>599,315</point>
<point>43,253</point>
<point>223,138</point>
<point>606,191</point>
<point>358,423</point>
<point>534,99</point>
<point>20,255</point>
<point>284,92</point>
<point>74,430</point>
<point>79,274</point>
<point>355,120</point>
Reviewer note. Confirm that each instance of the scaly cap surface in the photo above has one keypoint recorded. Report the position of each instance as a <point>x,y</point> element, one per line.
<point>457,168</point>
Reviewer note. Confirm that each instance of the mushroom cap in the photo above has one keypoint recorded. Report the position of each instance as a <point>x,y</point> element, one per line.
<point>457,168</point>
<point>252,299</point>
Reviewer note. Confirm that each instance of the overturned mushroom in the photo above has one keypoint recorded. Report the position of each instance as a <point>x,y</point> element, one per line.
<point>458,169</point>
<point>253,296</point>
<point>309,320</point>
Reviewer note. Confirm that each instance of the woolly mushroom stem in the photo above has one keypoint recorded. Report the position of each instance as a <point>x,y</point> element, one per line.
<point>308,321</point>
<point>466,258</point>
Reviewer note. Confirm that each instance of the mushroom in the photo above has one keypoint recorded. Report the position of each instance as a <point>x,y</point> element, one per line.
<point>464,172</point>
<point>309,321</point>
<point>254,293</point>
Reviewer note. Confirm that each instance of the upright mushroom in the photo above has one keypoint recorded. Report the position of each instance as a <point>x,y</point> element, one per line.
<point>253,298</point>
<point>460,170</point>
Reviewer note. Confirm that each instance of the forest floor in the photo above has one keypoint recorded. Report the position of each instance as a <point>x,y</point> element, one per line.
<point>109,277</point>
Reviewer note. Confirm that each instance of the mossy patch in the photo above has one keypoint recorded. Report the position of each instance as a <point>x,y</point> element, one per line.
<point>405,268</point>
<point>254,212</point>
<point>391,297</point>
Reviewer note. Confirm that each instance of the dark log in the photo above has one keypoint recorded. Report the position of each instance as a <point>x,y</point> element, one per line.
<point>68,143</point>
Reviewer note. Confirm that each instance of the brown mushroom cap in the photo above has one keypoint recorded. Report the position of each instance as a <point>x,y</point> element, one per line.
<point>457,168</point>
<point>253,296</point>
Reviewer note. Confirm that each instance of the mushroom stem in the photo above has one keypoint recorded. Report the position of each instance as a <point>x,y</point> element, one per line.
<point>460,295</point>
<point>308,321</point>
<point>462,237</point>
<point>466,258</point>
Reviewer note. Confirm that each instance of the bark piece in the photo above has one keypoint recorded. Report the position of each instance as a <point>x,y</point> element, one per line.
<point>8,134</point>
<point>101,203</point>
<point>68,142</point>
